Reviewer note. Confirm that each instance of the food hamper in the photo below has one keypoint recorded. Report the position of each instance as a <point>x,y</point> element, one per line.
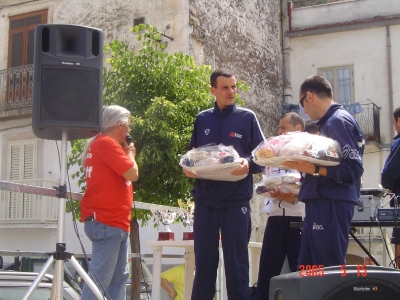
<point>296,146</point>
<point>212,162</point>
<point>287,182</point>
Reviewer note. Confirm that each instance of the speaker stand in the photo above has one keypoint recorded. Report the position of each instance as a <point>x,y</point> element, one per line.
<point>362,246</point>
<point>60,255</point>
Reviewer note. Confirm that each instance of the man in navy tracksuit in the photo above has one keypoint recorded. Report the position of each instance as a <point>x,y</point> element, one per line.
<point>329,193</point>
<point>390,176</point>
<point>223,205</point>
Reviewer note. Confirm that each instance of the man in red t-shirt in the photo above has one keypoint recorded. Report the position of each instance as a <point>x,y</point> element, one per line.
<point>110,168</point>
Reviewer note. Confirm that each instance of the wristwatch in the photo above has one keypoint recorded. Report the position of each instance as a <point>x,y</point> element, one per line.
<point>316,171</point>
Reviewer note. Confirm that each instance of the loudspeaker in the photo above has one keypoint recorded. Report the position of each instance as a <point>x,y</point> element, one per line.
<point>68,81</point>
<point>355,283</point>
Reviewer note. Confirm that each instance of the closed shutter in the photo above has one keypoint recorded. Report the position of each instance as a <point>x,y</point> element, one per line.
<point>22,166</point>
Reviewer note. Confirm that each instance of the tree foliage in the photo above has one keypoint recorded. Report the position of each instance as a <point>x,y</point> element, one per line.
<point>164,93</point>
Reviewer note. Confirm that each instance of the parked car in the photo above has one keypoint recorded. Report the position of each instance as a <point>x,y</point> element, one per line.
<point>72,278</point>
<point>35,264</point>
<point>14,285</point>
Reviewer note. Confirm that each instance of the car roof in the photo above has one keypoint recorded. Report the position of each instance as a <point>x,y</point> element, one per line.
<point>28,277</point>
<point>12,279</point>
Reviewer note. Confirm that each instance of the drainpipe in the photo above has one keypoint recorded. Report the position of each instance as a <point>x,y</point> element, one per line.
<point>287,84</point>
<point>390,79</point>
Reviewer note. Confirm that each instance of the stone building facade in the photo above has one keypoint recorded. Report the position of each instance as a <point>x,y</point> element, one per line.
<point>242,35</point>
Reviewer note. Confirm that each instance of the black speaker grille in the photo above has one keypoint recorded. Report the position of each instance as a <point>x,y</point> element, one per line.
<point>69,94</point>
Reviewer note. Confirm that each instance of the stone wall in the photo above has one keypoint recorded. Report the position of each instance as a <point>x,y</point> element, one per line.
<point>246,37</point>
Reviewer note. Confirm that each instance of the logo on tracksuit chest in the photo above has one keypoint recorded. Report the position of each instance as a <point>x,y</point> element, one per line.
<point>235,135</point>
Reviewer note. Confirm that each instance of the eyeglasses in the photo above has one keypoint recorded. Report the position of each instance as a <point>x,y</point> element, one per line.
<point>304,97</point>
<point>302,100</point>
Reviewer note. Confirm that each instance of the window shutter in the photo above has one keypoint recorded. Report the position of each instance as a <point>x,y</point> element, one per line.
<point>22,166</point>
<point>28,167</point>
<point>15,163</point>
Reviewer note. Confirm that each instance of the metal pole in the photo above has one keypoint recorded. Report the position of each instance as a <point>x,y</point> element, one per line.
<point>59,268</point>
<point>86,277</point>
<point>37,280</point>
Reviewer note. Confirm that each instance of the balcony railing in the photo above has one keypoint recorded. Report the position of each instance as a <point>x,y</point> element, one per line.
<point>23,210</point>
<point>304,3</point>
<point>16,89</point>
<point>369,120</point>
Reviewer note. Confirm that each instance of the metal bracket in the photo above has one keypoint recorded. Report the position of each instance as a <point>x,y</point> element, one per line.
<point>60,253</point>
<point>62,191</point>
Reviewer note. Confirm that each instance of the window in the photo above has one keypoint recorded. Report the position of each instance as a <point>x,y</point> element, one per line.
<point>21,166</point>
<point>341,79</point>
<point>304,3</point>
<point>139,20</point>
<point>21,37</point>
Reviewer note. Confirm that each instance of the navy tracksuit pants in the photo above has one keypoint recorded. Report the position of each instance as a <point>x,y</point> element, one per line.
<point>280,240</point>
<point>325,236</point>
<point>235,225</point>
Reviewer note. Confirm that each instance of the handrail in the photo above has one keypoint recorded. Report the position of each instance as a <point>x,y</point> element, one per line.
<point>16,87</point>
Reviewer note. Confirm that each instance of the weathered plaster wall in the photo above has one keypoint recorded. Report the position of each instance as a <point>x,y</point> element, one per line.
<point>171,18</point>
<point>116,18</point>
<point>246,37</point>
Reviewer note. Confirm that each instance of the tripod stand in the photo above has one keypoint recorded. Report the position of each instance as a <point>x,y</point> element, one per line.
<point>60,254</point>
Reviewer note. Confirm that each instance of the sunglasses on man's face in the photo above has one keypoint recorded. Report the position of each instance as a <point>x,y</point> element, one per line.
<point>304,97</point>
<point>302,100</point>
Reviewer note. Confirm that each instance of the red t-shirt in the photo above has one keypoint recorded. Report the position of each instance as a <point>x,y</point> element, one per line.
<point>108,195</point>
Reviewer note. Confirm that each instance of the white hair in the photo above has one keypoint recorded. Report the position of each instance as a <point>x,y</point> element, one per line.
<point>113,115</point>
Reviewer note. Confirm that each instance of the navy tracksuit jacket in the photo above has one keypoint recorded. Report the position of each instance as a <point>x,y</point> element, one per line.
<point>224,205</point>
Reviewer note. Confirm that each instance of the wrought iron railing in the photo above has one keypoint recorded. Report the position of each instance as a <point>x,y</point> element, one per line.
<point>21,208</point>
<point>369,120</point>
<point>304,3</point>
<point>16,87</point>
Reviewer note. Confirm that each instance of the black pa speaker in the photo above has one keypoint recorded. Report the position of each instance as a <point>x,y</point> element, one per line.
<point>355,283</point>
<point>68,81</point>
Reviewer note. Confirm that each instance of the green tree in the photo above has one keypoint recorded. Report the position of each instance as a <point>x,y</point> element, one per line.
<point>164,93</point>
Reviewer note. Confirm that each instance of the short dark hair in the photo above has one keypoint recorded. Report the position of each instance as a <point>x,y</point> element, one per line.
<point>295,119</point>
<point>219,72</point>
<point>317,85</point>
<point>311,127</point>
<point>396,114</point>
